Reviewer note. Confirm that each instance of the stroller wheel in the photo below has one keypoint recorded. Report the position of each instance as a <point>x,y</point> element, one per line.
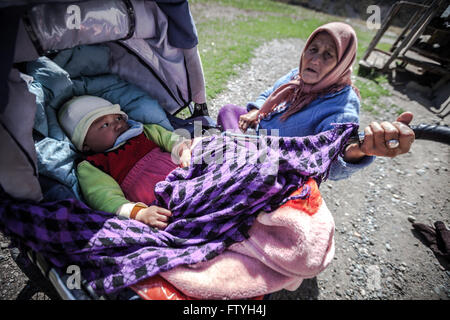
<point>38,287</point>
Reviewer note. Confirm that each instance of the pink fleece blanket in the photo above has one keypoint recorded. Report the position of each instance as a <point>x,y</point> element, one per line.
<point>285,246</point>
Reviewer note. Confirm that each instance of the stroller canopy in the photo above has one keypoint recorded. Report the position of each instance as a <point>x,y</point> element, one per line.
<point>152,45</point>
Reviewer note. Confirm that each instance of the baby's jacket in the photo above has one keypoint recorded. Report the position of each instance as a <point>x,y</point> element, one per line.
<point>117,180</point>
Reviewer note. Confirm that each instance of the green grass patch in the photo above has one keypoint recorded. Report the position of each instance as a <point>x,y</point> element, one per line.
<point>371,91</point>
<point>254,5</point>
<point>398,110</point>
<point>225,44</point>
<point>384,46</point>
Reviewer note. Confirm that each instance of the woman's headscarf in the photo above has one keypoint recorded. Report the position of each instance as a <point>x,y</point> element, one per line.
<point>298,93</point>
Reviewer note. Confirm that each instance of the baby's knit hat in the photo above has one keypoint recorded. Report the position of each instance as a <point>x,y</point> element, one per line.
<point>77,115</point>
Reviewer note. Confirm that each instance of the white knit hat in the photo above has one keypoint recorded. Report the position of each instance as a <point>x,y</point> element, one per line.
<point>77,115</point>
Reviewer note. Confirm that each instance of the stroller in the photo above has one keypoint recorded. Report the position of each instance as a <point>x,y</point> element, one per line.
<point>141,54</point>
<point>151,45</point>
<point>123,50</point>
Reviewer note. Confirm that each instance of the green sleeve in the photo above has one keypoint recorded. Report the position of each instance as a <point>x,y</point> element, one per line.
<point>162,137</point>
<point>99,189</point>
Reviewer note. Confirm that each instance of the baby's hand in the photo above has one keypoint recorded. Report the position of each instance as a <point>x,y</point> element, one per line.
<point>185,158</point>
<point>154,216</point>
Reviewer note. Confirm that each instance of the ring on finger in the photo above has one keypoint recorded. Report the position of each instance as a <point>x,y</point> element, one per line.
<point>392,144</point>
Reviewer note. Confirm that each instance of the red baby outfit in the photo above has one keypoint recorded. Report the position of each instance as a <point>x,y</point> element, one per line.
<point>137,166</point>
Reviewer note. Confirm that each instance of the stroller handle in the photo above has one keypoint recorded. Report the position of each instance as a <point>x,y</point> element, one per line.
<point>437,133</point>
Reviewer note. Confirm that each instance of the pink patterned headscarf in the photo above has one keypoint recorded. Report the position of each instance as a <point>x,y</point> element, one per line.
<point>298,93</point>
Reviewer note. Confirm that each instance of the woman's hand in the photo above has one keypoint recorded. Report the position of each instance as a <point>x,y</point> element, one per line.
<point>248,120</point>
<point>154,216</point>
<point>376,136</point>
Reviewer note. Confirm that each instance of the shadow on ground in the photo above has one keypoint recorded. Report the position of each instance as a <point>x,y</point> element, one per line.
<point>308,290</point>
<point>429,90</point>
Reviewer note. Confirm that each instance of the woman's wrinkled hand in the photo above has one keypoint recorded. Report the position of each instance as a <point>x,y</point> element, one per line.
<point>248,120</point>
<point>377,136</point>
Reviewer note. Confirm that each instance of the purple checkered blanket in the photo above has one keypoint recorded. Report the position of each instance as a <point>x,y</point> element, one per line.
<point>214,202</point>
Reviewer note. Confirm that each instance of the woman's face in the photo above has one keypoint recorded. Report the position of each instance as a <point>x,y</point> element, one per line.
<point>319,58</point>
<point>103,132</point>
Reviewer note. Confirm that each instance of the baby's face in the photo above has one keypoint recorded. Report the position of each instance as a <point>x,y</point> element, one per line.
<point>103,133</point>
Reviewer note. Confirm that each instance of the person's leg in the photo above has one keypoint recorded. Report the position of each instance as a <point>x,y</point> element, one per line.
<point>228,117</point>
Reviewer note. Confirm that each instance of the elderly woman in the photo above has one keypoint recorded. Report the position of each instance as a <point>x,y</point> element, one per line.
<point>309,99</point>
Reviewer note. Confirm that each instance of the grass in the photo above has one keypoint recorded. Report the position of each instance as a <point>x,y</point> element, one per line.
<point>384,46</point>
<point>225,44</point>
<point>254,5</point>
<point>371,92</point>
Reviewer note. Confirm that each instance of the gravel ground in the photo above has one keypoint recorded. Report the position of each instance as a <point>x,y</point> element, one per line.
<point>378,256</point>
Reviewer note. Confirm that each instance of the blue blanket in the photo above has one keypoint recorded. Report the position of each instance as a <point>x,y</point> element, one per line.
<point>83,70</point>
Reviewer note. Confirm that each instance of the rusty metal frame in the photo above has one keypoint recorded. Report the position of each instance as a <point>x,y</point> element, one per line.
<point>412,31</point>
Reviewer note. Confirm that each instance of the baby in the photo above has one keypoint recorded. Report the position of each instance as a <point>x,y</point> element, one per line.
<point>123,159</point>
